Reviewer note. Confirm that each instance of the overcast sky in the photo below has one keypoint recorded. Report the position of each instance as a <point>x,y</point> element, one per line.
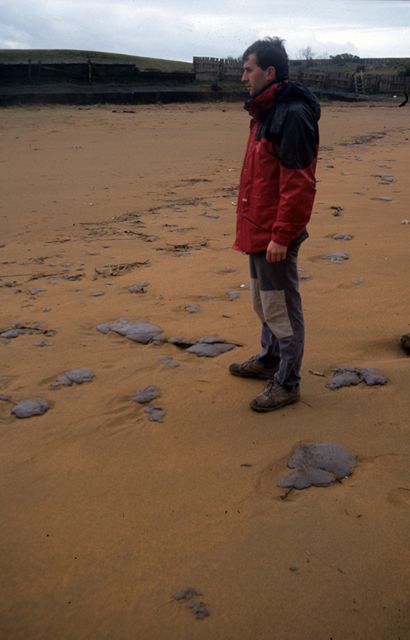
<point>181,29</point>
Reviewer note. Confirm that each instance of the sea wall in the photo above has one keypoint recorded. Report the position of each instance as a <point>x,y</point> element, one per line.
<point>219,70</point>
<point>85,72</point>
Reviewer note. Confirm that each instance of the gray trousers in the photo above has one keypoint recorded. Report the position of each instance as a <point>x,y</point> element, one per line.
<point>276,300</point>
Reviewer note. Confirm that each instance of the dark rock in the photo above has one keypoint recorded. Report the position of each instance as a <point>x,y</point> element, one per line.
<point>209,346</point>
<point>233,295</point>
<point>197,607</point>
<point>199,610</point>
<point>20,329</point>
<point>98,294</point>
<point>104,328</point>
<point>10,333</point>
<point>226,270</point>
<point>28,408</point>
<point>114,270</point>
<point>168,361</point>
<point>210,350</point>
<point>211,339</point>
<point>155,414</point>
<point>342,236</point>
<point>43,343</point>
<point>371,378</point>
<point>329,456</point>
<point>317,464</point>
<point>142,332</point>
<point>72,278</point>
<point>192,308</point>
<point>4,398</point>
<point>139,287</point>
<point>306,477</point>
<point>147,394</point>
<point>337,211</point>
<point>384,178</point>
<point>336,257</point>
<point>181,342</point>
<point>405,343</point>
<point>185,594</point>
<point>345,377</point>
<point>77,376</point>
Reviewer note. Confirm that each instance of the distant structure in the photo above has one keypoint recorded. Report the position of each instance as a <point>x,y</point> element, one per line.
<point>217,69</point>
<point>315,74</point>
<point>89,82</point>
<point>85,73</point>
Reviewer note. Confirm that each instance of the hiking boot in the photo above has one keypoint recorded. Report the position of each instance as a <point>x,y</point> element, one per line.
<point>252,369</point>
<point>274,397</point>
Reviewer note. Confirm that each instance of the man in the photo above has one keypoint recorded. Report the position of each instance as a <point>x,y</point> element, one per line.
<point>276,193</point>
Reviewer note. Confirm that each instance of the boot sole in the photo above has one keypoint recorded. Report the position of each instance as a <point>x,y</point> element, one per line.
<point>258,376</point>
<point>260,409</point>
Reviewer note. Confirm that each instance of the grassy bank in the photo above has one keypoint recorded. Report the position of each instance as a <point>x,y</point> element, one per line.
<point>16,56</point>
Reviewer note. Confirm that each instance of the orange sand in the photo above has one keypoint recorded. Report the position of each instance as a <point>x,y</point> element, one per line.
<point>105,514</point>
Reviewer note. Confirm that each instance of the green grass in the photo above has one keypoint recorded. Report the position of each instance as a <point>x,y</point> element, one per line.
<point>15,56</point>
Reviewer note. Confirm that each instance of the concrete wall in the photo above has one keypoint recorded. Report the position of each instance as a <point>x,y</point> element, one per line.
<point>37,72</point>
<point>215,69</point>
<point>342,81</point>
<point>371,62</point>
<point>205,70</point>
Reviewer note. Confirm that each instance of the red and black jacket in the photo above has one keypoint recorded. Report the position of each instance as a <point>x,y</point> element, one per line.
<point>277,185</point>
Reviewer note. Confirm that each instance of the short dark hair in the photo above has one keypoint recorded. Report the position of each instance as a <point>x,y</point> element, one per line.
<point>270,52</point>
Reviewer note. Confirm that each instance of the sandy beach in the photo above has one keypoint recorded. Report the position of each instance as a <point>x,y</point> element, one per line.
<point>105,513</point>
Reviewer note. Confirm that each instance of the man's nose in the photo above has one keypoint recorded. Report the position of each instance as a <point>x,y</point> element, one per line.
<point>244,77</point>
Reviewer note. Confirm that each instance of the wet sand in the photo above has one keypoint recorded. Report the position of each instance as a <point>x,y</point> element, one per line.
<point>105,513</point>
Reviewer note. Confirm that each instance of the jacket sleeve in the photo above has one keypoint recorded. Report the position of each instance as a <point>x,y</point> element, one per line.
<point>297,148</point>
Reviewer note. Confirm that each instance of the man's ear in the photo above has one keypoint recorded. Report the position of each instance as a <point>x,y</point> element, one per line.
<point>271,73</point>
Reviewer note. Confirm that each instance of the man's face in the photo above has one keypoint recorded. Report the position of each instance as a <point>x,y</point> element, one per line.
<point>254,77</point>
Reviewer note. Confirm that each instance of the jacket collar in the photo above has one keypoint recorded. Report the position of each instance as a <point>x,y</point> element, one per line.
<point>262,101</point>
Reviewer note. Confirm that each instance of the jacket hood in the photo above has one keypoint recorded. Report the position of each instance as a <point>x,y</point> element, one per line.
<point>296,92</point>
<point>281,92</point>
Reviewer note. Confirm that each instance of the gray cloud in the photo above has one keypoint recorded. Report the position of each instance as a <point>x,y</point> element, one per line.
<point>184,28</point>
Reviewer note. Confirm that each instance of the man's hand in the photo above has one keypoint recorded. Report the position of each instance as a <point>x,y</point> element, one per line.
<point>275,252</point>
